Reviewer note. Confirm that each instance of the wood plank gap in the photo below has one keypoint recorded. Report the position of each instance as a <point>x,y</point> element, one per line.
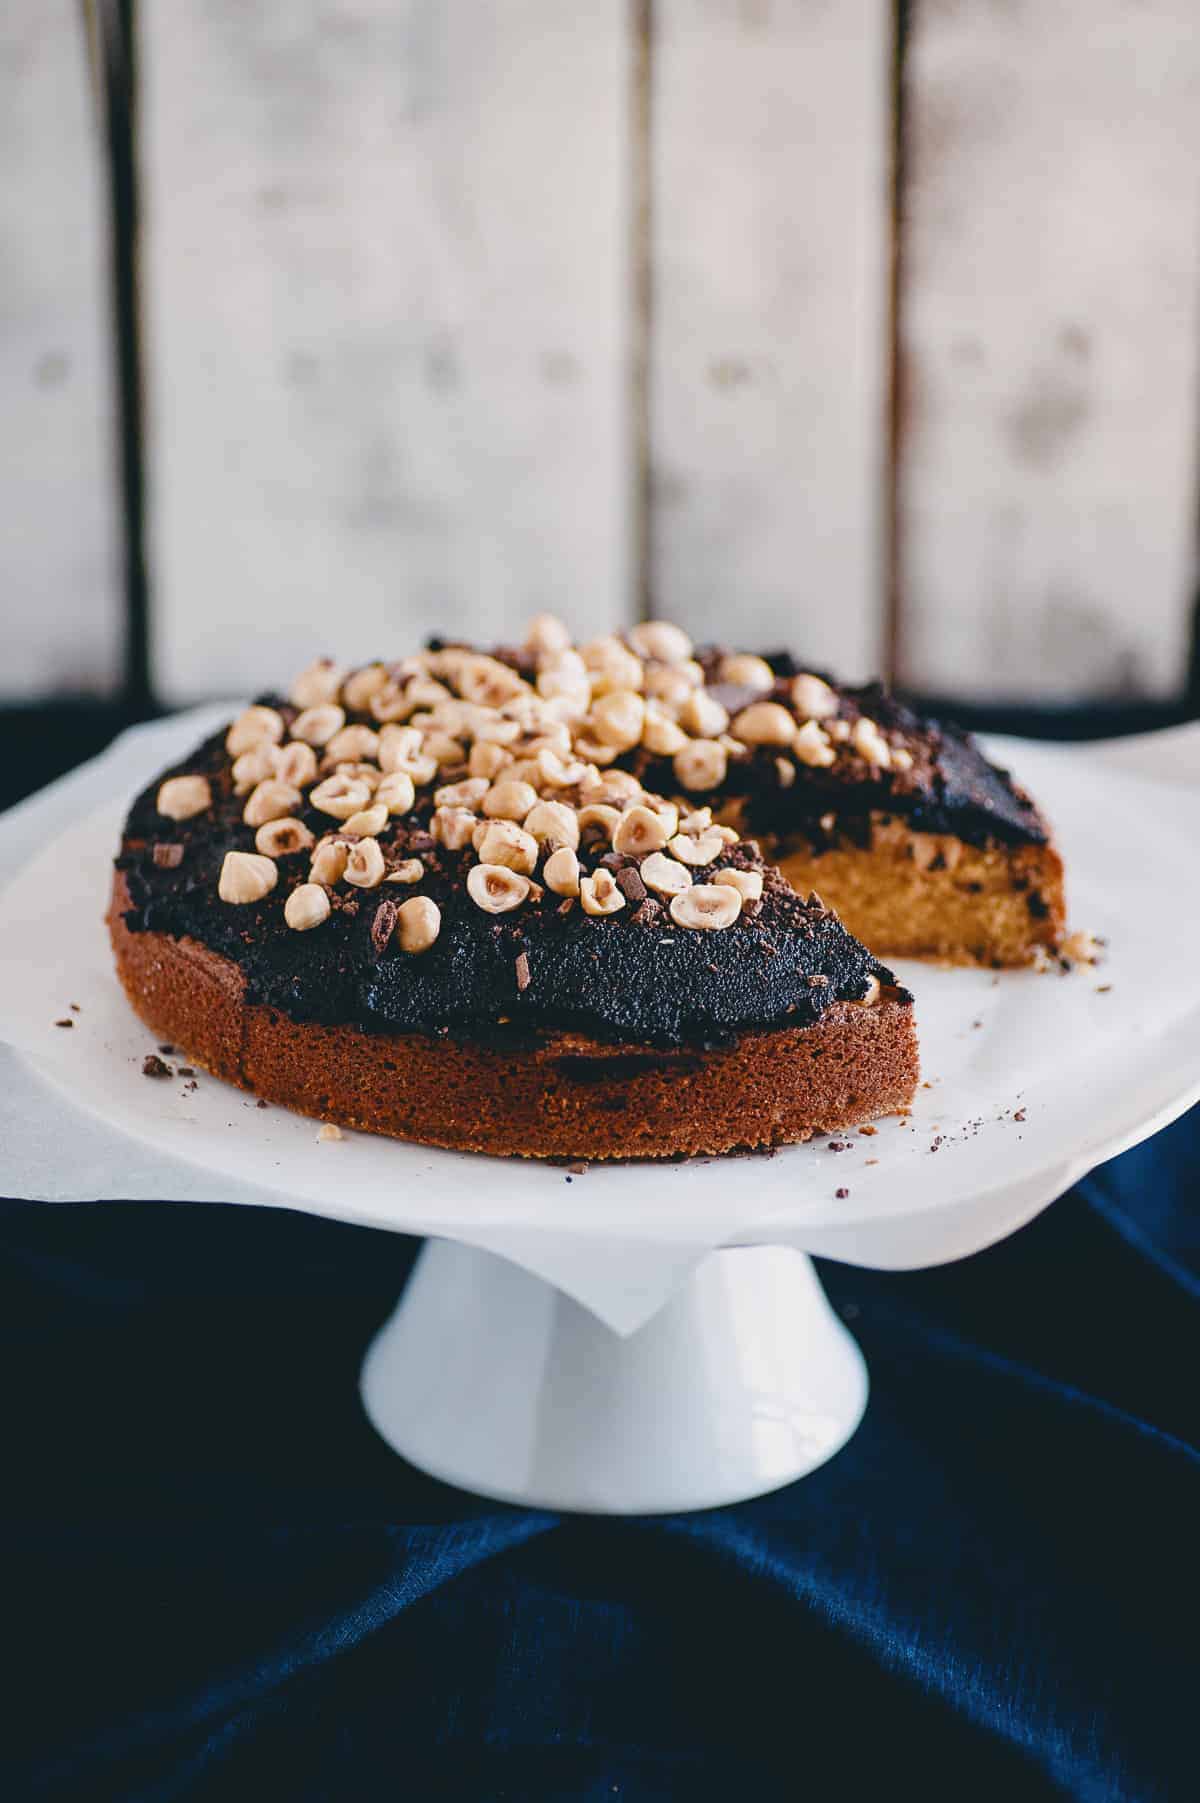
<point>119,84</point>
<point>642,312</point>
<point>893,572</point>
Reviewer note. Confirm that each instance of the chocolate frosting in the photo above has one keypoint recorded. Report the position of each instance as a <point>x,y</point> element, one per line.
<point>631,977</point>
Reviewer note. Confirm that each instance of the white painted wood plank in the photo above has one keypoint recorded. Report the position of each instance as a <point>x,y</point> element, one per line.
<point>386,261</point>
<point>1051,347</point>
<point>60,574</point>
<point>770,145</point>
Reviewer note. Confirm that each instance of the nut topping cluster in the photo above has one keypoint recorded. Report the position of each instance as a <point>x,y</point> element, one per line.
<point>525,770</point>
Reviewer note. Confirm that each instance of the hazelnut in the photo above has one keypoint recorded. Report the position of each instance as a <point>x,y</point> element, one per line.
<point>283,838</point>
<point>327,1131</point>
<point>246,876</point>
<point>306,907</point>
<point>395,792</point>
<point>599,815</point>
<point>872,993</point>
<point>358,688</point>
<point>839,731</point>
<point>659,640</point>
<point>295,763</point>
<point>329,862</point>
<point>664,875</point>
<point>317,725</point>
<point>599,893</point>
<point>596,751</point>
<point>418,923</point>
<point>487,759</point>
<point>702,715</point>
<point>253,767</point>
<point>702,764</point>
<point>546,637</point>
<point>353,744</point>
<point>746,672</point>
<point>812,698</point>
<point>870,743</point>
<point>508,800</point>
<point>398,747</point>
<point>698,821</point>
<point>709,907</point>
<point>561,871</point>
<point>181,797</point>
<point>701,849</point>
<point>614,786</point>
<point>318,684</point>
<point>553,820</point>
<point>785,772</point>
<point>364,866</point>
<point>340,795</point>
<point>488,682</point>
<point>748,883</point>
<point>661,736</point>
<point>617,718</point>
<point>764,723</point>
<point>504,842</point>
<point>368,821</point>
<point>391,702</point>
<point>669,684</point>
<point>453,827</point>
<point>639,832</point>
<point>565,684</point>
<point>466,794</point>
<point>811,746</point>
<point>409,870</point>
<point>271,801</point>
<point>611,665</point>
<point>444,750</point>
<point>257,726</point>
<point>901,759</point>
<point>667,812</point>
<point>495,888</point>
<point>359,773</point>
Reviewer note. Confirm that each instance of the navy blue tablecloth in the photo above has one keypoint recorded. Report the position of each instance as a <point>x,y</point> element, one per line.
<point>218,1583</point>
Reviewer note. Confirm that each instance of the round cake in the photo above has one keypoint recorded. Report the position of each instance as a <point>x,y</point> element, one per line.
<point>517,902</point>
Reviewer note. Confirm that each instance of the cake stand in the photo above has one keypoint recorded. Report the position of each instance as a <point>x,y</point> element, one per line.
<point>645,1337</point>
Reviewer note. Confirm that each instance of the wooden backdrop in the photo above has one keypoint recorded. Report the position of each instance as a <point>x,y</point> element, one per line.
<point>870,329</point>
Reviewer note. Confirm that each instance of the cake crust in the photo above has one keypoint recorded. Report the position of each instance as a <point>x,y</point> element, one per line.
<point>567,1096</point>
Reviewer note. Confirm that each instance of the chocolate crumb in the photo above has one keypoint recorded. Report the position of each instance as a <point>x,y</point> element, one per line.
<point>842,1193</point>
<point>153,1066</point>
<point>524,975</point>
<point>185,1070</point>
<point>383,925</point>
<point>261,1104</point>
<point>1103,988</point>
<point>74,1007</point>
<point>167,856</point>
<point>1019,1114</point>
<point>838,1145</point>
<point>168,1051</point>
<point>64,1023</point>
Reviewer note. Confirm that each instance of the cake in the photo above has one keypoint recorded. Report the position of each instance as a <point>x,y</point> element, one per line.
<point>537,901</point>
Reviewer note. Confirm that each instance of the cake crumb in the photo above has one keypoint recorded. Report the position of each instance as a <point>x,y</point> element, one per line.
<point>871,1161</point>
<point>167,1050</point>
<point>64,1023</point>
<point>153,1066</point>
<point>327,1131</point>
<point>75,1009</point>
<point>261,1104</point>
<point>579,1169</point>
<point>869,1132</point>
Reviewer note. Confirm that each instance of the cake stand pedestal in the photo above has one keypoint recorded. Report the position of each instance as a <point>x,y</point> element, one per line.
<point>491,1379</point>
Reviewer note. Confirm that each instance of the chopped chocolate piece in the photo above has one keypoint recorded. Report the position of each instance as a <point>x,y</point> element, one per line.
<point>153,1066</point>
<point>650,913</point>
<point>167,856</point>
<point>185,1070</point>
<point>383,925</point>
<point>524,976</point>
<point>64,1023</point>
<point>630,883</point>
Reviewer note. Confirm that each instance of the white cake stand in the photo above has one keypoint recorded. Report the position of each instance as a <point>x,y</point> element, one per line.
<point>645,1337</point>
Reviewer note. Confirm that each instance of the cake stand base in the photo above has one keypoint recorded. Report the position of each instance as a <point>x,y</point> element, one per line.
<point>490,1379</point>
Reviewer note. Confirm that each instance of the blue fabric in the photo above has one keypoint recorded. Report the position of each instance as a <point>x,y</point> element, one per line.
<point>218,1583</point>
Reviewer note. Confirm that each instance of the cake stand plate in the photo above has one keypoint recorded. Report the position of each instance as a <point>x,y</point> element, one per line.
<point>645,1337</point>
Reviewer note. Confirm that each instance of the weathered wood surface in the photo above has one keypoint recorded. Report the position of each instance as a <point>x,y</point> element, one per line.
<point>386,265</point>
<point>770,153</point>
<point>1051,347</point>
<point>60,576</point>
